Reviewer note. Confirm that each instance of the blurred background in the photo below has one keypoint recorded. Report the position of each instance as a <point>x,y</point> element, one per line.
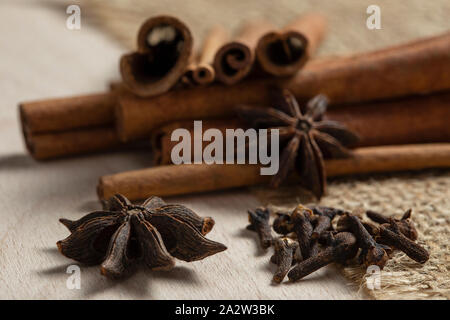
<point>401,19</point>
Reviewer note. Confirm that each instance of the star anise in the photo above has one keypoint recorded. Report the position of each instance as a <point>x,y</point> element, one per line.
<point>306,136</point>
<point>123,234</point>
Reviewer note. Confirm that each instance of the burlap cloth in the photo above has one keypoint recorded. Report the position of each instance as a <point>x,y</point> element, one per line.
<point>427,193</point>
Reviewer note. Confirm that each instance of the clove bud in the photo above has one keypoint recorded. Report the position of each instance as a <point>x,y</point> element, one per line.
<point>404,224</point>
<point>286,252</point>
<point>372,252</point>
<point>282,224</point>
<point>301,219</point>
<point>259,222</point>
<point>343,247</point>
<point>392,235</point>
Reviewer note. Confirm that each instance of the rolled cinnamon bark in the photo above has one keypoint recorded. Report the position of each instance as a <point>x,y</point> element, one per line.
<point>52,145</point>
<point>284,53</point>
<point>62,114</point>
<point>204,72</point>
<point>415,68</point>
<point>234,60</point>
<point>412,120</point>
<point>117,87</point>
<point>391,158</point>
<point>191,178</point>
<point>187,80</point>
<point>409,120</point>
<point>164,48</point>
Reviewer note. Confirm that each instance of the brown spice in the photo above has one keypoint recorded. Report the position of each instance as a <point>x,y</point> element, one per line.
<point>175,180</point>
<point>372,253</point>
<point>163,53</point>
<point>391,234</point>
<point>284,256</point>
<point>411,120</point>
<point>415,68</point>
<point>314,242</point>
<point>63,114</point>
<point>404,224</point>
<point>234,60</point>
<point>282,224</point>
<point>343,247</point>
<point>308,139</point>
<point>123,234</point>
<point>259,222</point>
<point>202,71</point>
<point>283,53</point>
<point>301,220</point>
<point>425,122</point>
<point>53,145</point>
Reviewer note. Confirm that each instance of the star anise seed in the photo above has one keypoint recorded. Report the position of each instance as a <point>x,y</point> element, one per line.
<point>308,138</point>
<point>123,234</point>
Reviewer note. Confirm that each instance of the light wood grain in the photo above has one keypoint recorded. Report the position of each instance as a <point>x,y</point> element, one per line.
<point>41,58</point>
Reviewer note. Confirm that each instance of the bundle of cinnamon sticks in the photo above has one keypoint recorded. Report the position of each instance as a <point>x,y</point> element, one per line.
<point>163,61</point>
<point>397,99</point>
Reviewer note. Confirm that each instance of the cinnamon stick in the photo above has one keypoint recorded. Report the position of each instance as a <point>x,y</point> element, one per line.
<point>52,145</point>
<point>164,47</point>
<point>283,53</point>
<point>234,60</point>
<point>203,71</point>
<point>416,68</point>
<point>410,120</point>
<point>191,178</point>
<point>62,114</point>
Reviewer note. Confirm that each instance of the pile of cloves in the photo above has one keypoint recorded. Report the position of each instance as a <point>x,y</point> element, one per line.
<point>310,240</point>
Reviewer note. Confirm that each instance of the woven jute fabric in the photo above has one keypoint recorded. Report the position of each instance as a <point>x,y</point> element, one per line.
<point>427,193</point>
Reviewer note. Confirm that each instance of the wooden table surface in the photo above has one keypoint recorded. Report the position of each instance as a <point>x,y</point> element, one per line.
<point>40,58</point>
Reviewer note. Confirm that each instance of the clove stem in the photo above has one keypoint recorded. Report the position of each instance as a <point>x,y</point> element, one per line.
<point>342,248</point>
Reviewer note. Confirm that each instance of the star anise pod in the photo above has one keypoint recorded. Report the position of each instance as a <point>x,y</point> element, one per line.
<point>306,136</point>
<point>123,234</point>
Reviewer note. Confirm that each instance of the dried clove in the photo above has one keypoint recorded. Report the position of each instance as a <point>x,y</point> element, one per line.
<point>372,252</point>
<point>371,228</point>
<point>326,211</point>
<point>322,222</point>
<point>301,219</point>
<point>404,224</point>
<point>343,224</point>
<point>282,224</point>
<point>342,248</point>
<point>259,222</point>
<point>392,235</point>
<point>284,256</point>
<point>310,241</point>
